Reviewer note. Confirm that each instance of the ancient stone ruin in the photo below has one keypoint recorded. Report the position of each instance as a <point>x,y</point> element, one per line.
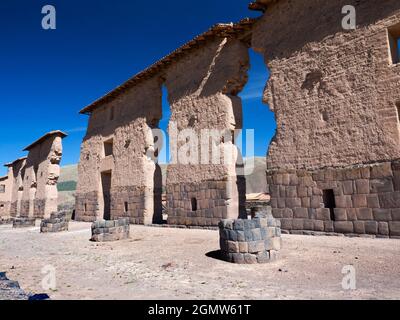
<point>57,222</point>
<point>111,230</point>
<point>250,241</point>
<point>24,222</point>
<point>30,188</point>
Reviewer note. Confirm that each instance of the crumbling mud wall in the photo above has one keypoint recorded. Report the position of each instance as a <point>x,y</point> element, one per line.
<point>202,91</point>
<point>116,171</point>
<point>42,170</point>
<point>18,171</point>
<point>5,195</point>
<point>335,94</point>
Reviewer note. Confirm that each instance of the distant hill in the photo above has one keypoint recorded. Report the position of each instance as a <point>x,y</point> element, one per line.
<point>256,182</point>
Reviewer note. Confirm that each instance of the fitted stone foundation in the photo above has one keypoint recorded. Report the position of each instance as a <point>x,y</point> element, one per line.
<point>250,241</point>
<point>366,200</point>
<point>24,222</point>
<point>57,222</point>
<point>104,231</point>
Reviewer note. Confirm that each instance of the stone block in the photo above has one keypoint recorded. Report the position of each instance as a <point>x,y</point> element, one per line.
<point>233,236</point>
<point>306,202</point>
<point>288,213</point>
<point>293,179</point>
<point>351,214</point>
<point>250,258</point>
<point>286,224</point>
<point>293,202</point>
<point>298,224</point>
<point>240,236</point>
<point>248,235</point>
<point>383,228</point>
<point>390,200</point>
<point>318,225</point>
<point>359,201</point>
<point>243,247</point>
<point>277,213</point>
<point>362,186</point>
<point>291,192</point>
<point>343,201</point>
<point>256,246</point>
<point>302,191</point>
<point>238,225</point>
<point>359,227</point>
<point>394,228</point>
<point>395,214</point>
<point>323,214</point>
<point>373,201</point>
<point>316,202</point>
<point>340,214</point>
<point>301,213</point>
<point>237,258</point>
<point>353,174</point>
<point>256,234</point>
<point>328,226</point>
<point>381,185</point>
<point>348,187</point>
<point>364,214</point>
<point>343,226</point>
<point>233,247</point>
<point>381,171</point>
<point>371,227</point>
<point>382,214</point>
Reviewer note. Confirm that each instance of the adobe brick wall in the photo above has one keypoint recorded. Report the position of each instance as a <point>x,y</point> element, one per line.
<point>5,194</point>
<point>18,171</point>
<point>128,121</point>
<point>333,91</point>
<point>334,95</point>
<point>41,172</point>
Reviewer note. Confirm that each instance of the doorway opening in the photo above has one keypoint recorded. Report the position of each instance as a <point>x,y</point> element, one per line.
<point>106,187</point>
<point>329,202</point>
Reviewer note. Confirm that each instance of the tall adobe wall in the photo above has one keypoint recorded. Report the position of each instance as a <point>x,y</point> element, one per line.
<point>125,122</point>
<point>202,91</point>
<point>334,93</point>
<point>41,173</point>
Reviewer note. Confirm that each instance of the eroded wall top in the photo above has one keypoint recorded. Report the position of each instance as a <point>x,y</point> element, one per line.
<point>333,91</point>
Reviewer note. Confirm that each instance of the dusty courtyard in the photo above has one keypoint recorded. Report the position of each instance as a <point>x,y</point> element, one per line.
<point>163,263</point>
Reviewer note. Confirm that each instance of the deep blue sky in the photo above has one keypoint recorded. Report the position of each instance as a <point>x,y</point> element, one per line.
<point>48,76</point>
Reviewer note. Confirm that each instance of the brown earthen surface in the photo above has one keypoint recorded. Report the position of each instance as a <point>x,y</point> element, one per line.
<point>177,267</point>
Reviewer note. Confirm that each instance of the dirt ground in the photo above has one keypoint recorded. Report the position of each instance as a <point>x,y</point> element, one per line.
<point>162,263</point>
